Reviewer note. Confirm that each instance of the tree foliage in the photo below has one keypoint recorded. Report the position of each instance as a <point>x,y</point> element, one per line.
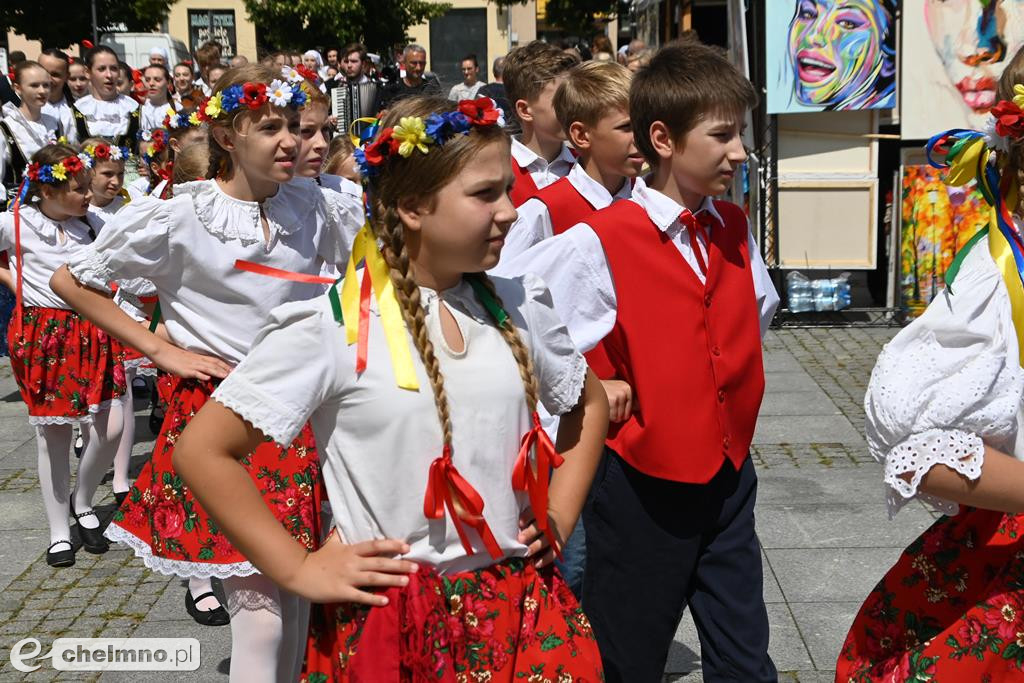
<point>301,24</point>
<point>71,22</point>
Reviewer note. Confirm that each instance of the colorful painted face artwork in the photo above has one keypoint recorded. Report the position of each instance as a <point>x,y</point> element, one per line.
<point>953,53</point>
<point>826,55</point>
<point>937,221</point>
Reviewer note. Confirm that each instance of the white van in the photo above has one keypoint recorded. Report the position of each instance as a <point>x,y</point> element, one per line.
<point>134,48</point>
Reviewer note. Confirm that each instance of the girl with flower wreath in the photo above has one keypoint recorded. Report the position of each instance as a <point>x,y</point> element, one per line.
<point>189,248</point>
<point>25,129</point>
<point>182,129</point>
<point>106,162</point>
<point>422,394</point>
<point>68,370</point>
<point>945,411</point>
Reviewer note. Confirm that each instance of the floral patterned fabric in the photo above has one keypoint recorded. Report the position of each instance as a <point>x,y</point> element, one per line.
<point>504,623</point>
<point>66,367</point>
<point>951,609</point>
<point>164,524</point>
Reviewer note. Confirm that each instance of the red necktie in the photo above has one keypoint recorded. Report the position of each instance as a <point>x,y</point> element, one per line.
<point>700,224</point>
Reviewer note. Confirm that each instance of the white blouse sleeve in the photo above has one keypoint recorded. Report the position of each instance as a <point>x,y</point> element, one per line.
<point>560,368</point>
<point>343,218</point>
<point>275,389</point>
<point>532,226</point>
<point>947,385</point>
<point>134,243</point>
<point>7,231</point>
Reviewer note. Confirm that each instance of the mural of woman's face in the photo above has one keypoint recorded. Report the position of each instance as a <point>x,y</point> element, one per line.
<point>975,39</point>
<point>836,48</point>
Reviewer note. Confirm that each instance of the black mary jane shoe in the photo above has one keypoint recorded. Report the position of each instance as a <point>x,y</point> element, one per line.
<point>60,558</point>
<point>92,539</point>
<point>120,497</point>
<point>213,617</point>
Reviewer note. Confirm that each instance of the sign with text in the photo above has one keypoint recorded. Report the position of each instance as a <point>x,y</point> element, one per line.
<point>214,24</point>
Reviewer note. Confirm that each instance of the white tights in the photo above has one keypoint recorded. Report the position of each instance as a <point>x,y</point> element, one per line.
<point>124,448</point>
<point>54,446</point>
<point>268,630</point>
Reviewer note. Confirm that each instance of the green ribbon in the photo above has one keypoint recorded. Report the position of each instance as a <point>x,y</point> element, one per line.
<point>155,319</point>
<point>954,267</point>
<point>332,294</point>
<point>488,300</point>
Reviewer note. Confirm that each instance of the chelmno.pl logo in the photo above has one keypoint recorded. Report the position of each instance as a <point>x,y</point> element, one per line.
<point>108,654</point>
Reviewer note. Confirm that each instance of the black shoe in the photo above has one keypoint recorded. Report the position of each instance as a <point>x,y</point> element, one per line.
<point>60,558</point>
<point>92,539</point>
<point>119,497</point>
<point>79,445</point>
<point>156,419</point>
<point>213,617</point>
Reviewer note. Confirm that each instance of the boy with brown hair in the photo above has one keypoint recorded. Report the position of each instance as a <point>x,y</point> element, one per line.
<point>540,156</point>
<point>672,285</point>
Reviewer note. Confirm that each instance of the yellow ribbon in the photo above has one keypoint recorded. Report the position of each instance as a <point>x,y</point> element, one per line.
<point>1003,257</point>
<point>353,136</point>
<point>964,168</point>
<point>365,249</point>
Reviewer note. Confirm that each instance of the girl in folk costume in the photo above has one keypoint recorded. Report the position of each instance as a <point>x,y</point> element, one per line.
<point>180,129</point>
<point>154,109</point>
<point>78,79</point>
<point>68,370</point>
<point>59,106</point>
<point>434,370</point>
<point>106,162</point>
<point>26,129</point>
<point>106,112</point>
<point>189,247</point>
<point>944,415</point>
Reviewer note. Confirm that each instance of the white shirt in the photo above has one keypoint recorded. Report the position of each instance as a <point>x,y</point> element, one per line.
<point>335,183</point>
<point>948,384</point>
<point>128,291</point>
<point>534,222</point>
<point>43,250</point>
<point>542,172</point>
<point>107,118</point>
<point>201,84</point>
<point>377,441</point>
<point>99,215</point>
<point>152,115</point>
<point>461,91</point>
<point>29,135</point>
<point>62,111</point>
<point>138,187</point>
<point>574,266</point>
<point>187,247</point>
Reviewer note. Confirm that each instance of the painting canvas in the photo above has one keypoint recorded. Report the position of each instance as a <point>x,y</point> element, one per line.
<point>830,55</point>
<point>936,222</point>
<point>952,54</point>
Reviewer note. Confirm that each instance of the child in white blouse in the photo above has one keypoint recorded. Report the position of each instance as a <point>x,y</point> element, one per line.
<point>108,193</point>
<point>154,109</point>
<point>69,372</point>
<point>188,247</point>
<point>26,129</point>
<point>474,592</point>
<point>105,111</point>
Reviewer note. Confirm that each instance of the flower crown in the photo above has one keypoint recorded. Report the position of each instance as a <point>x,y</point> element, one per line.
<point>154,141</point>
<point>175,120</point>
<point>103,152</point>
<point>1006,121</point>
<point>416,133</point>
<point>53,174</point>
<point>280,93</point>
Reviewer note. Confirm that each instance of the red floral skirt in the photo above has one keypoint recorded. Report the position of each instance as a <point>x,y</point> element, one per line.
<point>141,364</point>
<point>505,623</point>
<point>168,528</point>
<point>951,609</point>
<point>66,367</point>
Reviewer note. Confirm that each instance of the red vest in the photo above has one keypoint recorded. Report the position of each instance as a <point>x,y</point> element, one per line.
<point>524,186</point>
<point>691,352</point>
<point>566,205</point>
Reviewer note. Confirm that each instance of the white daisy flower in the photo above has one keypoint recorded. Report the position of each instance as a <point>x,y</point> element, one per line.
<point>115,153</point>
<point>147,135</point>
<point>992,138</point>
<point>279,93</point>
<point>291,75</point>
<point>85,159</point>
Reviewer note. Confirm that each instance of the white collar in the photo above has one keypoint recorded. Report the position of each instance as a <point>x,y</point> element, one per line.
<point>663,211</point>
<point>526,157</point>
<point>594,192</point>
<point>46,227</point>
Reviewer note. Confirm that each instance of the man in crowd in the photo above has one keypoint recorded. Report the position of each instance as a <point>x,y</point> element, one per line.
<point>414,59</point>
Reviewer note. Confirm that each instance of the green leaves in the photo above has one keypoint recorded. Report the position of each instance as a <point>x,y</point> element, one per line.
<point>73,22</point>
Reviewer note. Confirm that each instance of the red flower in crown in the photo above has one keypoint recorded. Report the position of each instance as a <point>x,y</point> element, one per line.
<point>254,95</point>
<point>73,165</point>
<point>480,112</point>
<point>383,146</point>
<point>101,152</point>
<point>33,171</point>
<point>1009,119</point>
<point>306,72</point>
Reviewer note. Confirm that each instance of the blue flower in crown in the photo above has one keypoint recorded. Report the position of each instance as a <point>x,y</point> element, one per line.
<point>365,169</point>
<point>447,124</point>
<point>229,97</point>
<point>46,174</point>
<point>299,97</point>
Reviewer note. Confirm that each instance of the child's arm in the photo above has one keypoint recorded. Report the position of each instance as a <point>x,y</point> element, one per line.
<point>6,277</point>
<point>581,434</point>
<point>1000,486</point>
<point>206,456</point>
<point>105,314</point>
<point>620,399</point>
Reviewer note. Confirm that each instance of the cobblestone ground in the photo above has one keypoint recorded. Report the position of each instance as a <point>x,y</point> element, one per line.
<point>820,511</point>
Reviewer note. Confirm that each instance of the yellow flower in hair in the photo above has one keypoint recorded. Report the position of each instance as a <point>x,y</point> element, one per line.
<point>193,118</point>
<point>213,109</point>
<point>1018,95</point>
<point>59,172</point>
<point>412,134</point>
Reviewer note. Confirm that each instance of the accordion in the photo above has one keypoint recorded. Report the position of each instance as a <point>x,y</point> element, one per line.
<point>353,101</point>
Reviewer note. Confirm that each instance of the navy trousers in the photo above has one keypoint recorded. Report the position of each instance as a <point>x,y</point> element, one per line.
<point>656,547</point>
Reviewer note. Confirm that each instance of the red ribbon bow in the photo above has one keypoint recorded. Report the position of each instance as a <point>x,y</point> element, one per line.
<point>447,488</point>
<point>534,480</point>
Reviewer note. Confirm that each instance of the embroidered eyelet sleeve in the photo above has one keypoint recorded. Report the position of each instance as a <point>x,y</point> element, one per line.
<point>947,385</point>
<point>134,243</point>
<point>290,372</point>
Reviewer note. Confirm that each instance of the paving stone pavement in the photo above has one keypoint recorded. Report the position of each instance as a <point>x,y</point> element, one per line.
<point>820,515</point>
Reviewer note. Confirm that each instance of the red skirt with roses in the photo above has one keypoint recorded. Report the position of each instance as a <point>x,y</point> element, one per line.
<point>67,369</point>
<point>168,528</point>
<point>505,623</point>
<point>951,609</point>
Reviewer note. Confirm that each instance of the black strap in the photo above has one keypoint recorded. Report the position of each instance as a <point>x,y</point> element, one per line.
<point>81,125</point>
<point>16,169</point>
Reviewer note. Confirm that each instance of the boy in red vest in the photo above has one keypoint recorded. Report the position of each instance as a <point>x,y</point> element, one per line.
<point>540,156</point>
<point>592,106</point>
<point>673,284</point>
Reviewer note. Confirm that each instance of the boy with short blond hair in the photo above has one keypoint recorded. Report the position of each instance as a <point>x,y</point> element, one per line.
<point>673,286</point>
<point>540,156</point>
